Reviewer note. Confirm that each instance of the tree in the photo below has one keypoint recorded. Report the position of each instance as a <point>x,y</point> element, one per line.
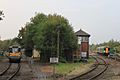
<point>41,33</point>
<point>1,15</point>
<point>21,36</point>
<point>26,34</point>
<point>4,45</point>
<point>46,37</point>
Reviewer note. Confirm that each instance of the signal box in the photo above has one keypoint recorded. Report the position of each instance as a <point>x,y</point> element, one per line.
<point>83,41</point>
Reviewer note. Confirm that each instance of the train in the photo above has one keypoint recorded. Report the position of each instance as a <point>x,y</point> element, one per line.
<point>1,54</point>
<point>106,51</point>
<point>14,54</point>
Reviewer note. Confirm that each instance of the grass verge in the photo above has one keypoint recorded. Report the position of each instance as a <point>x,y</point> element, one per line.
<point>67,68</point>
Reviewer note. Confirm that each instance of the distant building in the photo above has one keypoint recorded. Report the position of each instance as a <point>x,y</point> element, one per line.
<point>36,54</point>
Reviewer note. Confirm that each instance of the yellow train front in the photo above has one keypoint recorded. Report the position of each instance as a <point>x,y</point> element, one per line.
<point>14,54</point>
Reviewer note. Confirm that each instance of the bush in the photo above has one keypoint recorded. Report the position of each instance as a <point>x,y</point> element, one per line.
<point>62,60</point>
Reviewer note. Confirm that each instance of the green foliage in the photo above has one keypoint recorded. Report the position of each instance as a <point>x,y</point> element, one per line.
<point>66,68</point>
<point>21,37</point>
<point>41,33</point>
<point>62,59</point>
<point>6,43</point>
<point>93,47</point>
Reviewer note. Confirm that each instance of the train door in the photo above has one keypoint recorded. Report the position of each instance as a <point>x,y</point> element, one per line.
<point>107,51</point>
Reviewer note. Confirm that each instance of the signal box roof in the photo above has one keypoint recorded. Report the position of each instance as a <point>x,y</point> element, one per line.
<point>82,33</point>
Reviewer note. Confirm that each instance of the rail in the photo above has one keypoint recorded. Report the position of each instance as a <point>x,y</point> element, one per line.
<point>3,72</point>
<point>18,68</point>
<point>94,72</point>
<point>11,75</point>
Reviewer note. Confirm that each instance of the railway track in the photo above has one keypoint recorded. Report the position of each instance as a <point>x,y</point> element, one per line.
<point>10,72</point>
<point>116,57</point>
<point>100,67</point>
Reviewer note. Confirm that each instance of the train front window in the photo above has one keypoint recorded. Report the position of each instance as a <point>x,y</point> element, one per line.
<point>14,50</point>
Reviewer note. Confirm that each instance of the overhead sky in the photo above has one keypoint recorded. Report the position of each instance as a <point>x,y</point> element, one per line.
<point>99,18</point>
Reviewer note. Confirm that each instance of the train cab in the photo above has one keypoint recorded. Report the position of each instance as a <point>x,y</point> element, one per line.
<point>14,54</point>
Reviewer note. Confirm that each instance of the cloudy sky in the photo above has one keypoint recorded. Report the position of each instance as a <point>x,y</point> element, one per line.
<point>100,18</point>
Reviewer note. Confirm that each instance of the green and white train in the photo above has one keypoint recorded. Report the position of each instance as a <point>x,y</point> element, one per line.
<point>106,51</point>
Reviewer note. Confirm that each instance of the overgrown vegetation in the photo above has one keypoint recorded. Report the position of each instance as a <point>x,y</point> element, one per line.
<point>4,44</point>
<point>41,33</point>
<point>66,68</point>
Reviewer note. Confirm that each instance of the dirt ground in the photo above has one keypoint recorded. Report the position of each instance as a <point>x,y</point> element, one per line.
<point>113,72</point>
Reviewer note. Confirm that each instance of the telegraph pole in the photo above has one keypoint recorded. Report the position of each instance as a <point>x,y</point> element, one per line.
<point>58,40</point>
